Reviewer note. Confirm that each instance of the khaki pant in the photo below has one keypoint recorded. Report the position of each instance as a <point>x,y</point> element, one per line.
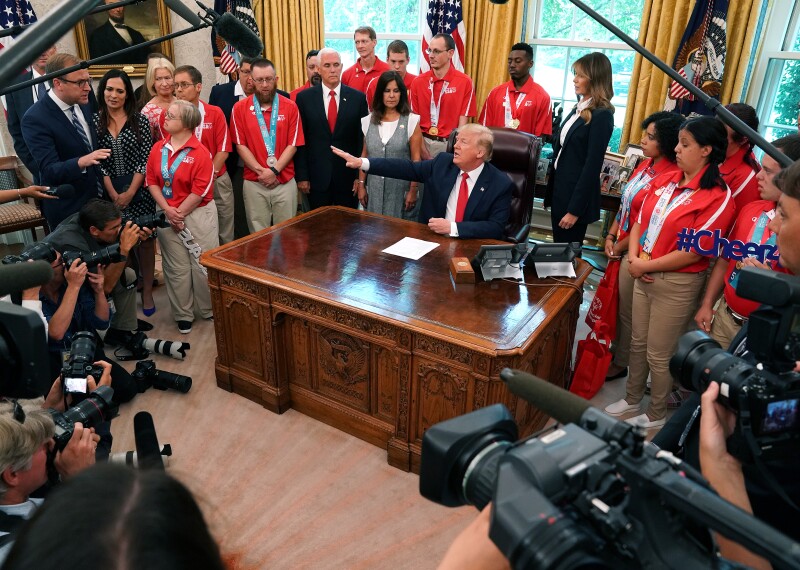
<point>223,198</point>
<point>435,147</point>
<point>187,287</point>
<point>124,297</point>
<point>723,327</point>
<point>265,206</point>
<point>660,313</point>
<point>622,343</point>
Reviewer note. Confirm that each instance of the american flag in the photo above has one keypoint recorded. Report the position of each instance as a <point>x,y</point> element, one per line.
<point>229,58</point>
<point>15,13</point>
<point>444,17</point>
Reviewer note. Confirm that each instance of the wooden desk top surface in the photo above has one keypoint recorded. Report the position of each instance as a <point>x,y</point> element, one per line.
<point>335,254</point>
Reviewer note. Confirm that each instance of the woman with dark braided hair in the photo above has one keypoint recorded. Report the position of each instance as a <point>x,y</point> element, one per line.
<point>740,166</point>
<point>669,279</point>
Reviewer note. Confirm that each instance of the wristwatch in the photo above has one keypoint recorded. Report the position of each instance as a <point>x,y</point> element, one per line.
<point>275,170</point>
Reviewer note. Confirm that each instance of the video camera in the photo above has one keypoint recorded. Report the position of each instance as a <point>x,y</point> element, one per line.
<point>103,256</point>
<point>151,221</point>
<point>80,363</point>
<point>766,395</point>
<point>590,494</point>
<point>38,251</point>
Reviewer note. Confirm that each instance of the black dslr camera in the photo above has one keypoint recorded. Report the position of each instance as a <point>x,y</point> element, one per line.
<point>765,396</point>
<point>151,221</point>
<point>38,251</point>
<point>80,363</point>
<point>147,376</point>
<point>103,256</point>
<point>95,409</point>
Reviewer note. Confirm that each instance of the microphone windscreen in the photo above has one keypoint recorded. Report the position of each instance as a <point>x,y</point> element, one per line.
<point>17,277</point>
<point>65,191</point>
<point>557,403</point>
<point>183,11</point>
<point>236,33</point>
<point>147,449</point>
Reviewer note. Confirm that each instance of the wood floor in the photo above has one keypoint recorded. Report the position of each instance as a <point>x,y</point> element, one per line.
<point>286,491</point>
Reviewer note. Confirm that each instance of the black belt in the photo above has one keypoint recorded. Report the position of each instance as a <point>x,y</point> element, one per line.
<point>433,138</point>
<point>737,318</point>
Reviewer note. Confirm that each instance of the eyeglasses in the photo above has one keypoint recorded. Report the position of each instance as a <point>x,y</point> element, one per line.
<point>169,116</point>
<point>184,85</point>
<point>16,410</point>
<point>263,80</point>
<point>80,83</point>
<point>430,51</point>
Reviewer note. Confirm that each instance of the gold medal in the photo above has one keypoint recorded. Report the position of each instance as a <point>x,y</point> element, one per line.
<point>739,265</point>
<point>643,255</point>
<point>167,183</point>
<point>433,131</point>
<point>514,123</point>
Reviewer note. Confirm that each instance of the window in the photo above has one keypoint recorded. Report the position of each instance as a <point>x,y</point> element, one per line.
<point>774,91</point>
<point>560,33</point>
<point>392,20</point>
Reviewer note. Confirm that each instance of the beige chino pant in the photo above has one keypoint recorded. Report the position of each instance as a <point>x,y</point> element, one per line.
<point>223,198</point>
<point>265,207</point>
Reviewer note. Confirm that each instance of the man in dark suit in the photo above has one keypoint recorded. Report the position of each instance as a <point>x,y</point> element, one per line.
<point>331,114</point>
<point>225,96</point>
<point>465,196</point>
<point>18,102</point>
<point>113,36</point>
<point>59,133</point>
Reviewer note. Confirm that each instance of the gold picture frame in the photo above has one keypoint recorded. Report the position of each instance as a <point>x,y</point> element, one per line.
<point>93,29</point>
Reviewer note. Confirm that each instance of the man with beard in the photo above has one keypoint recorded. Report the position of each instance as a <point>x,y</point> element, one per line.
<point>520,103</point>
<point>312,72</point>
<point>113,36</point>
<point>267,131</point>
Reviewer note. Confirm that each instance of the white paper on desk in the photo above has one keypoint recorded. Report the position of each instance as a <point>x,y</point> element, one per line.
<point>554,269</point>
<point>411,248</point>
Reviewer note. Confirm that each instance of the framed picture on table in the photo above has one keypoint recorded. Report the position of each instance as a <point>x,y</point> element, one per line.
<point>633,156</point>
<point>610,172</point>
<point>541,171</point>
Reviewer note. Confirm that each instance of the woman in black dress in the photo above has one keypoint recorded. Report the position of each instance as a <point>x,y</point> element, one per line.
<point>127,133</point>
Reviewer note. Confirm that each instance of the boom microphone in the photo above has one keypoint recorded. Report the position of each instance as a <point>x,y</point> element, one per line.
<point>228,26</point>
<point>20,276</point>
<point>147,450</point>
<point>563,406</point>
<point>183,11</point>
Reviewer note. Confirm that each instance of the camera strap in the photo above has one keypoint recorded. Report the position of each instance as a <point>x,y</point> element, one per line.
<point>193,247</point>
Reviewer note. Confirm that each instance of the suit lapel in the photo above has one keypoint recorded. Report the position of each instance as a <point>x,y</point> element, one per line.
<point>87,115</point>
<point>478,192</point>
<point>578,123</point>
<point>343,104</point>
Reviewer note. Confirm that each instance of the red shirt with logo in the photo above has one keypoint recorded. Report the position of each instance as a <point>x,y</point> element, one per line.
<point>294,93</point>
<point>648,171</point>
<point>532,108</point>
<point>355,76</point>
<point>741,178</point>
<point>705,209</point>
<point>457,101</point>
<point>195,175</point>
<point>213,131</point>
<point>408,79</point>
<point>743,230</point>
<point>246,131</point>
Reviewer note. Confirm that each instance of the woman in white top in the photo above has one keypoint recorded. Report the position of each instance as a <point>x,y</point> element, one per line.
<point>391,131</point>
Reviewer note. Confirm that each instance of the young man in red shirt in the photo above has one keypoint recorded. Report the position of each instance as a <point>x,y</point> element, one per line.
<point>520,103</point>
<point>367,67</point>
<point>213,134</point>
<point>397,57</point>
<point>267,131</point>
<point>443,97</point>
<point>312,73</point>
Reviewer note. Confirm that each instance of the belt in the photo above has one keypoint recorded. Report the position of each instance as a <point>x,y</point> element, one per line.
<point>433,138</point>
<point>737,318</point>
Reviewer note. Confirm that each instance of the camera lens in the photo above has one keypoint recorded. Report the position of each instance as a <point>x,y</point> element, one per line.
<point>177,382</point>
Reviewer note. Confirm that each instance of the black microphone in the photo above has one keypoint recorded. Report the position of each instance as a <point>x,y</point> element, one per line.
<point>563,406</point>
<point>63,191</point>
<point>228,26</point>
<point>17,277</point>
<point>147,450</point>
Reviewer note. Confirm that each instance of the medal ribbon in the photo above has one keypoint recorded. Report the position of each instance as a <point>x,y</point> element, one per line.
<point>660,214</point>
<point>198,131</point>
<point>167,173</point>
<point>632,188</point>
<point>269,137</point>
<point>511,106</point>
<point>756,237</point>
<point>435,108</point>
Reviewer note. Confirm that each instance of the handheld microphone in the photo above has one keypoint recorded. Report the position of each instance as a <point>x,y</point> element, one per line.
<point>20,276</point>
<point>147,449</point>
<point>63,191</point>
<point>228,26</point>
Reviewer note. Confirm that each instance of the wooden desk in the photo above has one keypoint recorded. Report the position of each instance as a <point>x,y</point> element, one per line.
<point>310,314</point>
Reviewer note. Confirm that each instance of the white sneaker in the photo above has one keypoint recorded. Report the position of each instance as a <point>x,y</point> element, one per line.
<point>645,422</point>
<point>621,407</point>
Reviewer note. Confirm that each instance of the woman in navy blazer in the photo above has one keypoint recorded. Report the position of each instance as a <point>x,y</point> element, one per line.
<point>574,191</point>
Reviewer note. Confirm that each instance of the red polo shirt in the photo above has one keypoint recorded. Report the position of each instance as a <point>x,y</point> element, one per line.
<point>532,108</point>
<point>648,171</point>
<point>457,101</point>
<point>707,209</point>
<point>195,174</point>
<point>737,175</point>
<point>213,131</point>
<point>355,76</point>
<point>245,129</point>
<point>408,79</point>
<point>743,230</point>
<point>294,93</point>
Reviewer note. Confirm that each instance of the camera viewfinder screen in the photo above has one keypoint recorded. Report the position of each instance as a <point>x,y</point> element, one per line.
<point>780,416</point>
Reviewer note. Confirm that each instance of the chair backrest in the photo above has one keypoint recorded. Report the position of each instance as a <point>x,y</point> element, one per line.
<point>9,179</point>
<point>517,154</point>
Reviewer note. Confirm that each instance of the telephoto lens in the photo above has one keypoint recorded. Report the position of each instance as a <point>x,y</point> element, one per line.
<point>151,221</point>
<point>91,412</point>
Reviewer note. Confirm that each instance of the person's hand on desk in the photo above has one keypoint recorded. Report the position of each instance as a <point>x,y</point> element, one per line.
<point>439,225</point>
<point>350,160</point>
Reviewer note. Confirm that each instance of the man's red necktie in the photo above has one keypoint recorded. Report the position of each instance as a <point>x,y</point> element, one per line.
<point>332,111</point>
<point>463,196</point>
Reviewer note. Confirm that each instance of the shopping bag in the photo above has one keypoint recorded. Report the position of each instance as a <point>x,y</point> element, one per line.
<point>602,314</point>
<point>591,365</point>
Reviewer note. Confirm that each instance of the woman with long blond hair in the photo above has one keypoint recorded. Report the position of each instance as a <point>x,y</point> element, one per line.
<point>573,194</point>
<point>159,81</point>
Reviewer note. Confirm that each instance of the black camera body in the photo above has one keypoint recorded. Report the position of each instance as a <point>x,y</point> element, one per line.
<point>103,256</point>
<point>95,409</point>
<point>766,395</point>
<point>80,363</point>
<point>38,251</point>
<point>151,221</point>
<point>147,375</point>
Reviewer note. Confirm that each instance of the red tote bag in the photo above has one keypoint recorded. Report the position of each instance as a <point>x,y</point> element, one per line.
<point>591,366</point>
<point>602,314</point>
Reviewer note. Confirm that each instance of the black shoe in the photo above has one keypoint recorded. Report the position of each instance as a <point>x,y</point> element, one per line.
<point>621,374</point>
<point>116,337</point>
<point>143,326</point>
<point>185,327</point>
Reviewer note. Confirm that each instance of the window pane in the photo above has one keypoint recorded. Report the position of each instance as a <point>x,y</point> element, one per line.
<point>560,19</point>
<point>550,68</point>
<point>414,48</point>
<point>346,49</point>
<point>386,16</point>
<point>784,109</point>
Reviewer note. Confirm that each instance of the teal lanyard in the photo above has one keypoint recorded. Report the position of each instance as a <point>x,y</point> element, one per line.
<point>169,172</point>
<point>756,237</point>
<point>269,137</point>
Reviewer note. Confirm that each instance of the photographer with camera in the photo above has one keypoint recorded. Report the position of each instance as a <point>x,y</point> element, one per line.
<point>26,441</point>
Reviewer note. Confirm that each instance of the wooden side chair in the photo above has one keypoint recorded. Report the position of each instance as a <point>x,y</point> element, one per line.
<point>25,214</point>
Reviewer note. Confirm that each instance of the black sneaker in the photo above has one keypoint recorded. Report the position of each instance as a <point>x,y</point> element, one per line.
<point>116,337</point>
<point>185,327</point>
<point>143,326</point>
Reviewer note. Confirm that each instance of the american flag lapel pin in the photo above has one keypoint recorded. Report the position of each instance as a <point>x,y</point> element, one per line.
<point>481,188</point>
